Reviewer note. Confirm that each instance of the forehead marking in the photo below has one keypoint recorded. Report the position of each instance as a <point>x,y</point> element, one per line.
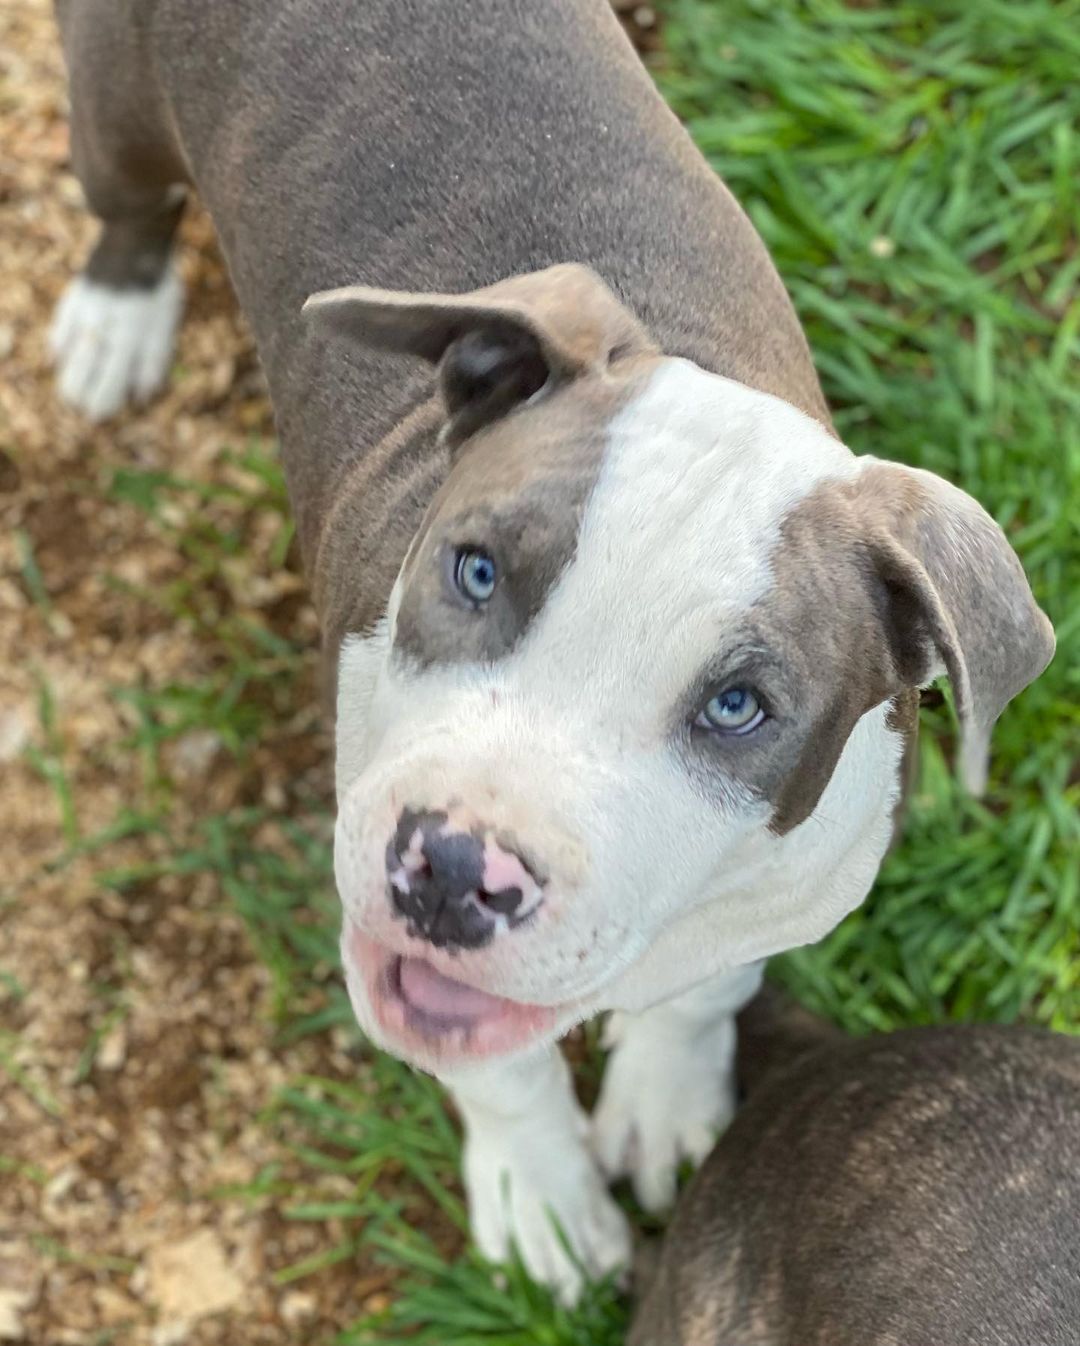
<point>518,490</point>
<point>697,476</point>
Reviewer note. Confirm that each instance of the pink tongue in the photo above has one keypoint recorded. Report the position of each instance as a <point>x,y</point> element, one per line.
<point>428,990</point>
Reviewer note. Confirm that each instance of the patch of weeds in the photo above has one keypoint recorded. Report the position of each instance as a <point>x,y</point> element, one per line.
<point>12,985</point>
<point>48,761</point>
<point>31,574</point>
<point>391,1137</point>
<point>20,1169</point>
<point>126,825</point>
<point>284,893</point>
<point>472,1303</point>
<point>250,683</point>
<point>60,1252</point>
<point>23,1078</point>
<point>115,1012</point>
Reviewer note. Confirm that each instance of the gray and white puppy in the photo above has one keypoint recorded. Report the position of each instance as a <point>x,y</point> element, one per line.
<point>919,1188</point>
<point>626,643</point>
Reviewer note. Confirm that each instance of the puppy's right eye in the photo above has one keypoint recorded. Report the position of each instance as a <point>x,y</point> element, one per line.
<point>475,574</point>
<point>736,710</point>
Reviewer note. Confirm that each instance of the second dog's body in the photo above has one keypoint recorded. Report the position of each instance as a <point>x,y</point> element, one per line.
<point>626,643</point>
<point>915,1189</point>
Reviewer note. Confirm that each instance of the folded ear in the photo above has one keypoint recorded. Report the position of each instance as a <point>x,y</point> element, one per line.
<point>495,347</point>
<point>956,599</point>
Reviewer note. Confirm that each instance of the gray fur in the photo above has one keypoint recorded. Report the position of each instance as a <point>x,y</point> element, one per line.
<point>501,137</point>
<point>915,1189</point>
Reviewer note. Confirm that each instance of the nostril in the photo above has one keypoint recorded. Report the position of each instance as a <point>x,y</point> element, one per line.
<point>505,903</point>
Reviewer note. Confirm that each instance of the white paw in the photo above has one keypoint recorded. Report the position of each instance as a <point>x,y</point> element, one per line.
<point>113,346</point>
<point>520,1190</point>
<point>666,1096</point>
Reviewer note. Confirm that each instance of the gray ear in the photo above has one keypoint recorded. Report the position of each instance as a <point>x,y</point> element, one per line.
<point>959,601</point>
<point>497,346</point>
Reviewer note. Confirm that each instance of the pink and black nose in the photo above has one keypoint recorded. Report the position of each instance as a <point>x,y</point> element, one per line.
<point>456,887</point>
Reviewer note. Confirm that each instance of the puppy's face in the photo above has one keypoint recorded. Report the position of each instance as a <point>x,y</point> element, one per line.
<point>628,721</point>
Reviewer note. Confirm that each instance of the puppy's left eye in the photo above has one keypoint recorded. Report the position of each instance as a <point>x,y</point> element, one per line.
<point>736,710</point>
<point>475,574</point>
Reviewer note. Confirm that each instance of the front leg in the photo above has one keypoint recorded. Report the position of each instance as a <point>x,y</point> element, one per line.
<point>527,1165</point>
<point>669,1085</point>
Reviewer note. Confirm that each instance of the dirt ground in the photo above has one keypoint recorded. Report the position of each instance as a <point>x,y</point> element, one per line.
<point>116,1128</point>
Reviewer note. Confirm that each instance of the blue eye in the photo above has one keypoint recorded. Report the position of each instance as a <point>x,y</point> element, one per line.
<point>733,711</point>
<point>475,574</point>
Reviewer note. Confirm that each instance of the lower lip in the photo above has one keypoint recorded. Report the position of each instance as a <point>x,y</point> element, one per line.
<point>473,1025</point>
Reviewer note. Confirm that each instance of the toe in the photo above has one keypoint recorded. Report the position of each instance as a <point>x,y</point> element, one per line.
<point>488,1222</point>
<point>79,370</point>
<point>610,1245</point>
<point>612,1142</point>
<point>63,323</point>
<point>557,1270</point>
<point>108,392</point>
<point>654,1183</point>
<point>698,1142</point>
<point>153,359</point>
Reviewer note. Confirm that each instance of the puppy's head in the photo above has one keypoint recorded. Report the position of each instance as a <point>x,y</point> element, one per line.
<point>631,716</point>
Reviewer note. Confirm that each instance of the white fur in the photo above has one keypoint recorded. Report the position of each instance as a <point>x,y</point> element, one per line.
<point>360,665</point>
<point>528,1174</point>
<point>655,884</point>
<point>669,1086</point>
<point>794,889</point>
<point>112,346</point>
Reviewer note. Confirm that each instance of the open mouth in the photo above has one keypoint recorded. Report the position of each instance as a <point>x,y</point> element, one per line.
<point>420,1009</point>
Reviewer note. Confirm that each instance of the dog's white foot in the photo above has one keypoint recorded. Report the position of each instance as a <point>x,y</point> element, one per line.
<point>529,1175</point>
<point>669,1085</point>
<point>666,1096</point>
<point>112,346</point>
<point>527,1199</point>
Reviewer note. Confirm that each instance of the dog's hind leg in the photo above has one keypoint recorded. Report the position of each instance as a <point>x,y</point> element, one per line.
<point>115,327</point>
<point>669,1084</point>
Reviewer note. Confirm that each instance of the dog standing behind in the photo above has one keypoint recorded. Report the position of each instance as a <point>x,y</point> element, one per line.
<point>919,1188</point>
<point>626,644</point>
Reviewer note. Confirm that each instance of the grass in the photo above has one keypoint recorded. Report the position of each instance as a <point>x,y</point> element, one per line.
<point>913,169</point>
<point>919,196</point>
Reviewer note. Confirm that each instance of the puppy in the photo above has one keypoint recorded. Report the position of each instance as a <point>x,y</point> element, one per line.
<point>920,1188</point>
<point>626,645</point>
